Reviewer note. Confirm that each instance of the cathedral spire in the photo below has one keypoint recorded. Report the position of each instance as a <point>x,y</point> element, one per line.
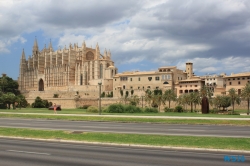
<point>109,54</point>
<point>23,55</point>
<point>97,51</point>
<point>50,46</point>
<point>84,45</point>
<point>105,53</point>
<point>35,47</point>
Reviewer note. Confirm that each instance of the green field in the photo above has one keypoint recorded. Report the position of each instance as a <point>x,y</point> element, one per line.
<point>139,139</point>
<point>131,119</point>
<point>83,111</point>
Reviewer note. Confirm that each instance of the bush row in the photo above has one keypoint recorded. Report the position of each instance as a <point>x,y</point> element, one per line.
<point>119,108</point>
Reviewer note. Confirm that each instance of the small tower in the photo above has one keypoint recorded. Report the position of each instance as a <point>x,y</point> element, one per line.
<point>22,69</point>
<point>35,50</point>
<point>97,51</point>
<point>50,47</point>
<point>189,70</point>
<point>109,54</point>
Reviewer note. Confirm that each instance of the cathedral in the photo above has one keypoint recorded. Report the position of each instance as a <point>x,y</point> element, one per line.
<point>68,69</point>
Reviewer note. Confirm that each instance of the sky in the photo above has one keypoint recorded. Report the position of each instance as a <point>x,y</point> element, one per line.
<point>141,34</point>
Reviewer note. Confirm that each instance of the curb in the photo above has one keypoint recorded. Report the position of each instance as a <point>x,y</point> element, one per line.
<point>130,145</point>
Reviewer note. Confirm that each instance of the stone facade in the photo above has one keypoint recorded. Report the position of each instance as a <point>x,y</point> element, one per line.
<point>164,78</point>
<point>77,69</point>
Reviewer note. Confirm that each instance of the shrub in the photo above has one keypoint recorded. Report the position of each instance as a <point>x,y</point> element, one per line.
<point>132,109</point>
<point>116,108</point>
<point>92,109</point>
<point>179,108</point>
<point>151,110</point>
<point>84,106</point>
<point>55,95</point>
<point>214,111</point>
<point>166,109</point>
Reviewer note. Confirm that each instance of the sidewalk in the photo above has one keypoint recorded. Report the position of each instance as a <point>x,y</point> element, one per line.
<point>131,116</point>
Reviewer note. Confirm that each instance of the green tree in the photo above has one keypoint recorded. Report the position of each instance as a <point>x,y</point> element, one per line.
<point>121,92</point>
<point>132,92</point>
<point>183,100</point>
<point>149,97</point>
<point>169,96</point>
<point>9,98</point>
<point>235,98</point>
<point>193,99</point>
<point>39,103</point>
<point>134,100</point>
<point>7,84</point>
<point>222,101</point>
<point>246,95</point>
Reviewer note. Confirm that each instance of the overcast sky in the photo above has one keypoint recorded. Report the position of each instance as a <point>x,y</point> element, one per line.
<point>141,34</point>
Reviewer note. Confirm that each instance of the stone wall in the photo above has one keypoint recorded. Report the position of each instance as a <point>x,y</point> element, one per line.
<point>72,103</point>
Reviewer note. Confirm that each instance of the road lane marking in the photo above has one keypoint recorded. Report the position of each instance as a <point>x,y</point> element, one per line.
<point>17,151</point>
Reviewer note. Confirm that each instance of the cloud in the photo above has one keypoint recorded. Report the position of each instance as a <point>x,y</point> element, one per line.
<point>213,34</point>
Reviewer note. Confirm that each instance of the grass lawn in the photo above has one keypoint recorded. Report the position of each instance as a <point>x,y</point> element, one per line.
<point>83,111</point>
<point>131,119</point>
<point>156,140</point>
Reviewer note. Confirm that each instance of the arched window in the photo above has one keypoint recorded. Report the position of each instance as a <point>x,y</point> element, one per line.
<point>81,79</point>
<point>89,56</point>
<point>101,71</point>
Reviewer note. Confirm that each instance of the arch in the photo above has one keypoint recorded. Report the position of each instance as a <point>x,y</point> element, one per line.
<point>41,85</point>
<point>89,55</point>
<point>186,91</point>
<point>191,90</point>
<point>101,70</point>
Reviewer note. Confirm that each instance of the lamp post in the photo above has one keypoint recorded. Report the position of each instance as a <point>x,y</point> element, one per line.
<point>100,109</point>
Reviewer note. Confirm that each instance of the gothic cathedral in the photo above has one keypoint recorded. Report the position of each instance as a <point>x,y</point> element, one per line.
<point>68,69</point>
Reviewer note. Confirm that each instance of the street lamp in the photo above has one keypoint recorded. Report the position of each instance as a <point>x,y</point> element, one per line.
<point>100,109</point>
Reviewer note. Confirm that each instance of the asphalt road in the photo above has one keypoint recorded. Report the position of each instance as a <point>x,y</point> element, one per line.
<point>138,128</point>
<point>33,153</point>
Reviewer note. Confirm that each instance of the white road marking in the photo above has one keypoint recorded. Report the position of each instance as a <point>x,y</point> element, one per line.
<point>17,151</point>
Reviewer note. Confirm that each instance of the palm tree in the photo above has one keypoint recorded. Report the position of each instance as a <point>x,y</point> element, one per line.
<point>234,97</point>
<point>246,95</point>
<point>193,99</point>
<point>169,96</point>
<point>183,100</point>
<point>148,97</point>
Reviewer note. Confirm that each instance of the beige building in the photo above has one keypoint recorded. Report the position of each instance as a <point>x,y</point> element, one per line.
<point>237,81</point>
<point>74,68</point>
<point>215,83</point>
<point>164,78</point>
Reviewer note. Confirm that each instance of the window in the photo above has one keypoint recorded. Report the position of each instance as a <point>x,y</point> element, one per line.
<point>123,78</point>
<point>139,79</point>
<point>233,78</point>
<point>149,78</point>
<point>138,87</point>
<point>115,79</point>
<point>131,87</point>
<point>214,83</point>
<point>157,78</point>
<point>123,86</point>
<point>180,86</point>
<point>157,87</point>
<point>131,79</point>
<point>195,86</point>
<point>181,91</point>
<point>228,79</point>
<point>243,78</point>
<point>148,87</point>
<point>238,82</point>
<point>190,85</point>
<point>238,78</point>
<point>230,83</point>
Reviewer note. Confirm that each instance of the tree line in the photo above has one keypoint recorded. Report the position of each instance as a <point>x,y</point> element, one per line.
<point>156,98</point>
